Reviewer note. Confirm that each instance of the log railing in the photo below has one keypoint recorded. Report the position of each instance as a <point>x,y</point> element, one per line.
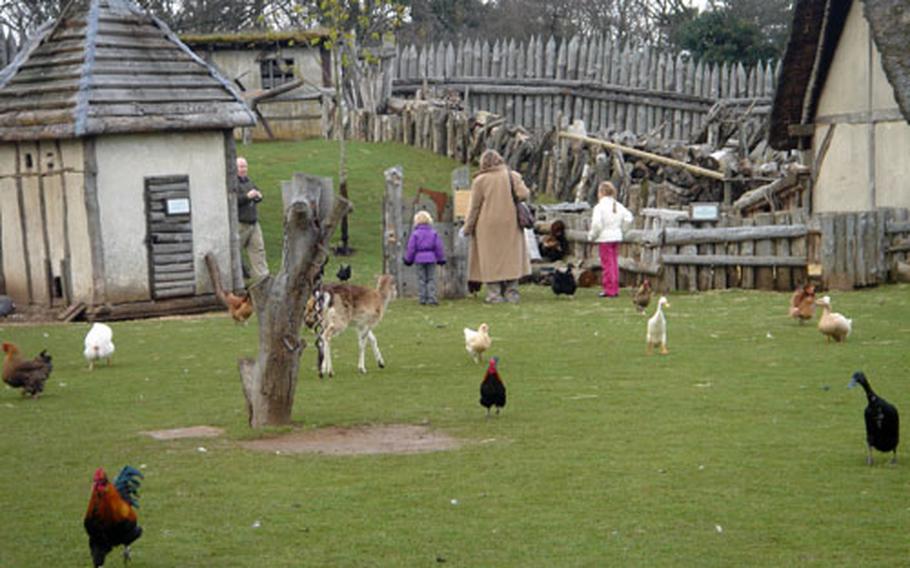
<point>772,251</point>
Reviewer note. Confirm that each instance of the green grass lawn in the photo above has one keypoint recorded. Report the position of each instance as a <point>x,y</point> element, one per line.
<point>743,447</point>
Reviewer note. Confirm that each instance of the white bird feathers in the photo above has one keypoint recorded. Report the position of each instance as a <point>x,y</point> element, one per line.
<point>98,344</point>
<point>832,324</point>
<point>657,328</point>
<point>476,342</point>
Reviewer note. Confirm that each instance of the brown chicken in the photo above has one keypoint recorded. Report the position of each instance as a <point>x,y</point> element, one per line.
<point>642,296</point>
<point>802,303</point>
<point>240,307</point>
<point>30,376</point>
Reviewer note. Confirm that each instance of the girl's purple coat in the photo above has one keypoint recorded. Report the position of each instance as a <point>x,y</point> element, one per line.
<point>424,246</point>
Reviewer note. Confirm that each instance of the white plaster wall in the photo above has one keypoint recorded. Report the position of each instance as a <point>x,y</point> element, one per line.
<point>844,180</point>
<point>846,87</point>
<point>243,64</point>
<point>892,164</point>
<point>124,161</point>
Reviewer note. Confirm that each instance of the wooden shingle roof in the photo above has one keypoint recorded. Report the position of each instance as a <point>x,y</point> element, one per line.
<point>105,66</point>
<point>816,31</point>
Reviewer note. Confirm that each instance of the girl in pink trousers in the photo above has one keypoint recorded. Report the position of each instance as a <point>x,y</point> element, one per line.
<point>607,220</point>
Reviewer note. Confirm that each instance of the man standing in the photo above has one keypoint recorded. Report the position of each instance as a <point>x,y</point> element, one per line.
<point>250,232</point>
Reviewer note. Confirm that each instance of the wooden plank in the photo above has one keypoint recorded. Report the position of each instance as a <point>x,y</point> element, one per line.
<point>175,292</point>
<point>160,259</point>
<point>171,248</point>
<point>72,312</point>
<point>849,238</point>
<point>732,234</point>
<point>838,278</point>
<point>783,280</point>
<point>720,273</point>
<point>860,268</point>
<point>828,248</point>
<point>175,267</point>
<point>169,279</point>
<point>705,273</point>
<point>734,273</point>
<point>164,227</point>
<point>687,276</point>
<point>161,95</point>
<point>764,248</point>
<point>94,221</point>
<point>735,260</point>
<point>892,227</point>
<point>799,247</point>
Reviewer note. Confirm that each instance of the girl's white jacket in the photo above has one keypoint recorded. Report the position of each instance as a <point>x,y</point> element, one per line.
<point>606,226</point>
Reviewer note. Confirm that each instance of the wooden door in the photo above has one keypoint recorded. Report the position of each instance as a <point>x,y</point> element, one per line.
<point>170,237</point>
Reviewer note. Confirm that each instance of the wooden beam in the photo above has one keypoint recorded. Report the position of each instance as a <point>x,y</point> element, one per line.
<point>897,227</point>
<point>862,117</point>
<point>646,155</point>
<point>732,260</point>
<point>677,236</point>
<point>93,216</point>
<point>803,130</point>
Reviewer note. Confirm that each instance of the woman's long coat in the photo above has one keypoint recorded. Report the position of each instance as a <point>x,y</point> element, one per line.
<point>498,247</point>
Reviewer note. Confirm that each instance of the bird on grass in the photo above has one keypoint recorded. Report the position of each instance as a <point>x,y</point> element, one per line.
<point>99,344</point>
<point>31,375</point>
<point>476,342</point>
<point>344,273</point>
<point>564,281</point>
<point>111,516</point>
<point>882,420</point>
<point>492,389</point>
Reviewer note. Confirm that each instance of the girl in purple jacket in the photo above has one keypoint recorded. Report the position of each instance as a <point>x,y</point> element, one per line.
<point>425,249</point>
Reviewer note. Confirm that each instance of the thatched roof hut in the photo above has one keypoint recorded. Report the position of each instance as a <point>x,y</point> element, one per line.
<point>844,94</point>
<point>116,159</point>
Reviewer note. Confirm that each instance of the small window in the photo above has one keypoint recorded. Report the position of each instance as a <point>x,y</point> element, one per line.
<point>276,71</point>
<point>28,162</point>
<point>58,287</point>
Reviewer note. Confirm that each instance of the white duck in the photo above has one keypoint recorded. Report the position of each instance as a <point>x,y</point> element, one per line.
<point>98,344</point>
<point>833,324</point>
<point>476,342</point>
<point>657,328</point>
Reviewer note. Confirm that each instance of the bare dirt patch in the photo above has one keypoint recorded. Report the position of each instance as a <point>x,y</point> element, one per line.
<point>373,439</point>
<point>180,433</point>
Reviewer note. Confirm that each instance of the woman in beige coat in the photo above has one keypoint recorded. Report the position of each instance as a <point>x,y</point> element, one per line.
<point>499,255</point>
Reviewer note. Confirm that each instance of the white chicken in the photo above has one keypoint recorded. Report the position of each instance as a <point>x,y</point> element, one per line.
<point>476,342</point>
<point>657,328</point>
<point>98,344</point>
<point>833,325</point>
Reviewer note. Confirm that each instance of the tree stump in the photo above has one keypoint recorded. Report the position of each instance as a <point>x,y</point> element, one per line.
<point>311,213</point>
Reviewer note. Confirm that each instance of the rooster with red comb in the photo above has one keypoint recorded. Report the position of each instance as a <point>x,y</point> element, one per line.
<point>492,389</point>
<point>111,516</point>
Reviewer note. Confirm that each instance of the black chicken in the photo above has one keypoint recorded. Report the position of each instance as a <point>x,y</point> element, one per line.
<point>563,282</point>
<point>492,389</point>
<point>882,421</point>
<point>344,273</point>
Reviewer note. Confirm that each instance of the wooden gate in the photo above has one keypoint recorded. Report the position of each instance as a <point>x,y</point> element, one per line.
<point>170,237</point>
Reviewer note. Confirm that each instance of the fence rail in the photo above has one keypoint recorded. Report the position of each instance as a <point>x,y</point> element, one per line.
<point>772,251</point>
<point>607,86</point>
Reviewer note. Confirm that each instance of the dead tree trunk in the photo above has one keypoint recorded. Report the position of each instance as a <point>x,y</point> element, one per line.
<point>311,212</point>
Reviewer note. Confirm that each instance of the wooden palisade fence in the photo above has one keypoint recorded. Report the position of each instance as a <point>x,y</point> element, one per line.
<point>608,86</point>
